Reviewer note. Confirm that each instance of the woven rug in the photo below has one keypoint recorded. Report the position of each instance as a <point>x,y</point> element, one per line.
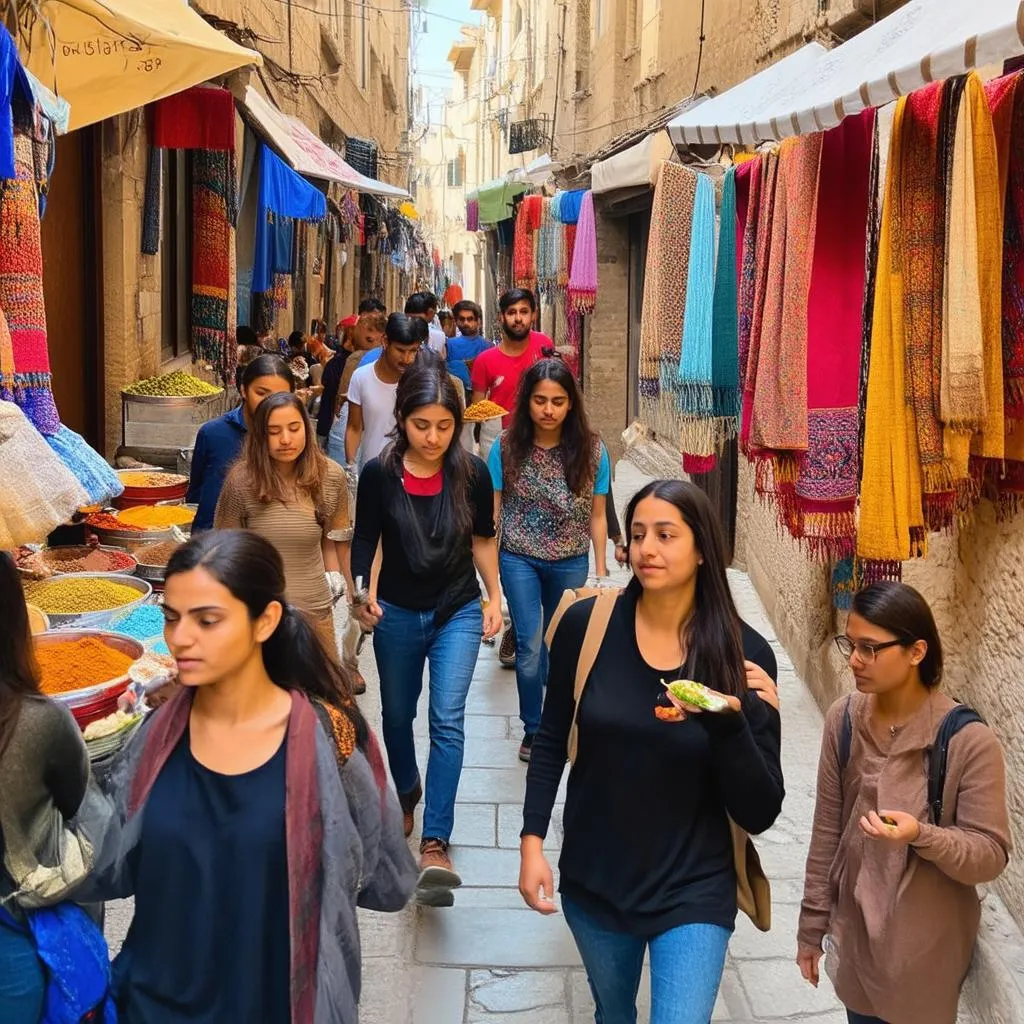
<point>21,290</point>
<point>212,252</point>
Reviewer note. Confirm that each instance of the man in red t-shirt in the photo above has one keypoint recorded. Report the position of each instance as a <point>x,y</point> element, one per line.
<point>496,373</point>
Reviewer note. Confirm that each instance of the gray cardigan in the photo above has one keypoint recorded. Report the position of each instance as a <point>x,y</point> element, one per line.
<point>44,769</point>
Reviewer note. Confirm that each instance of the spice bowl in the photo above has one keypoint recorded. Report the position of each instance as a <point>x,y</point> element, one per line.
<point>54,557</point>
<point>97,619</point>
<point>102,693</point>
<point>131,540</point>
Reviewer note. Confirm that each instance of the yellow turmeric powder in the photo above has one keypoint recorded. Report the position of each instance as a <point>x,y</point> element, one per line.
<point>156,517</point>
<point>77,664</point>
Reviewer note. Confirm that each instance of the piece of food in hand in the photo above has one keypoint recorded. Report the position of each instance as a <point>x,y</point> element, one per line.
<point>697,695</point>
<point>480,412</point>
<point>668,714</point>
<point>891,822</point>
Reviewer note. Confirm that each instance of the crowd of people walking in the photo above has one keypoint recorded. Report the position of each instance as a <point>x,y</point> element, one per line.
<point>252,813</point>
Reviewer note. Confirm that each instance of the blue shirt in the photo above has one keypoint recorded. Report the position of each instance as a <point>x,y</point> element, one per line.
<point>218,445</point>
<point>463,347</point>
<point>372,356</point>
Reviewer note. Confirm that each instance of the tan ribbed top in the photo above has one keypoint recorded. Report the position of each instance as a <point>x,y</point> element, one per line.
<point>292,528</point>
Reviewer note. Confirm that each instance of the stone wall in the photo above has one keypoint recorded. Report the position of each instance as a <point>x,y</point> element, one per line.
<point>604,366</point>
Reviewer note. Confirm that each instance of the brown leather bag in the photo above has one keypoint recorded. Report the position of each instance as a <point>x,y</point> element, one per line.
<point>753,890</point>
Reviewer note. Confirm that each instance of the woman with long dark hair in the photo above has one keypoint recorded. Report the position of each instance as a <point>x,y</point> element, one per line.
<point>255,809</point>
<point>288,491</point>
<point>551,475</point>
<point>892,869</point>
<point>647,857</point>
<point>429,505</point>
<point>44,771</point>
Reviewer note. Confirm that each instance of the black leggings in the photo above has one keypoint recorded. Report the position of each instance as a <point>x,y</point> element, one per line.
<point>860,1018</point>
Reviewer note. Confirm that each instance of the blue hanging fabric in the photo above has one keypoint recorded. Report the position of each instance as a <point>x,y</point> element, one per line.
<point>567,206</point>
<point>12,79</point>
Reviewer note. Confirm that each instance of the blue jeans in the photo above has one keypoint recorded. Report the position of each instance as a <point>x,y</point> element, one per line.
<point>22,982</point>
<point>533,587</point>
<point>403,642</point>
<point>686,969</point>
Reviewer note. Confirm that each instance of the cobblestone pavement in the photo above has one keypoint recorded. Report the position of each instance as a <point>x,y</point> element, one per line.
<point>489,959</point>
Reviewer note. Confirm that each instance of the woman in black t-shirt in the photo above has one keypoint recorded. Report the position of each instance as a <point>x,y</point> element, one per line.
<point>647,858</point>
<point>430,506</point>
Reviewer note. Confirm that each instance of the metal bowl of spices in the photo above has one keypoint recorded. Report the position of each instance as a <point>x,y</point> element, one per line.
<point>153,559</point>
<point>113,532</point>
<point>86,600</point>
<point>98,559</point>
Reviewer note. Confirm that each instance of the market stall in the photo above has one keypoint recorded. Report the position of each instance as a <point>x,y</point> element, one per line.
<point>846,298</point>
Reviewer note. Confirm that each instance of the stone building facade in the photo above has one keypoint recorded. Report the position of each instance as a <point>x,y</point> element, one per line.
<point>340,68</point>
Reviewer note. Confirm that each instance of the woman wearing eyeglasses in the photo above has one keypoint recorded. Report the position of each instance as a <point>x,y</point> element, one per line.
<point>888,891</point>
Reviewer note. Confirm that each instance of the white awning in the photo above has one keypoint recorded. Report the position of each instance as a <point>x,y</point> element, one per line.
<point>536,172</point>
<point>728,116</point>
<point>634,167</point>
<point>307,154</point>
<point>925,41</point>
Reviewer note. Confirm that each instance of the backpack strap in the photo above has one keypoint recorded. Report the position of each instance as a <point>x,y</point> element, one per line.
<point>953,721</point>
<point>845,736</point>
<point>597,627</point>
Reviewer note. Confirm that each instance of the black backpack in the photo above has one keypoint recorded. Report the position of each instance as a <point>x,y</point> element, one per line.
<point>953,721</point>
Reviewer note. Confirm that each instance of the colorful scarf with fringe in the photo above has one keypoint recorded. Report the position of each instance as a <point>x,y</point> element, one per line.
<point>918,239</point>
<point>695,379</point>
<point>826,487</point>
<point>778,430</point>
<point>524,251</point>
<point>661,325</point>
<point>725,325</point>
<point>891,526</point>
<point>582,287</point>
<point>749,211</point>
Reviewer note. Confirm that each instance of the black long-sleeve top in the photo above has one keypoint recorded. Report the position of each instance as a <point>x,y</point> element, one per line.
<point>647,845</point>
<point>426,563</point>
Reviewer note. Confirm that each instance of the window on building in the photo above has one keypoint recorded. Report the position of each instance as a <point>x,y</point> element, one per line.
<point>456,174</point>
<point>176,255</point>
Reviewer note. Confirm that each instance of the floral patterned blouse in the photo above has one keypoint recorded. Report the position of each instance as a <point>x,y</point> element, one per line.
<point>540,516</point>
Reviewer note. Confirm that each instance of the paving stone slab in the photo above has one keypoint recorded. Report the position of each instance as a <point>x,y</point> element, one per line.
<point>510,824</point>
<point>476,937</point>
<point>776,990</point>
<point>440,996</point>
<point>748,943</point>
<point>491,898</point>
<point>503,991</point>
<point>487,697</point>
<point>475,825</point>
<point>488,868</point>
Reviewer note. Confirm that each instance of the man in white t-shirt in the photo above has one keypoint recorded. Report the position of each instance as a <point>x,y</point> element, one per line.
<point>371,392</point>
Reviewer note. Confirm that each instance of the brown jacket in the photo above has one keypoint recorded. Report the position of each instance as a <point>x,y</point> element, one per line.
<point>904,920</point>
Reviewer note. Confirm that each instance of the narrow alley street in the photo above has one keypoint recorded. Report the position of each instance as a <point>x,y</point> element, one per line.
<point>490,959</point>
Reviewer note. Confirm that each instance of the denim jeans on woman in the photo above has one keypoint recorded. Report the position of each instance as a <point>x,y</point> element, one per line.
<point>22,982</point>
<point>686,969</point>
<point>403,643</point>
<point>533,587</point>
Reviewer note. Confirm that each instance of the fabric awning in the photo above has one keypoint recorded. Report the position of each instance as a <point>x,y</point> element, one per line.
<point>728,116</point>
<point>536,172</point>
<point>495,198</point>
<point>633,167</point>
<point>110,56</point>
<point>306,153</point>
<point>925,41</point>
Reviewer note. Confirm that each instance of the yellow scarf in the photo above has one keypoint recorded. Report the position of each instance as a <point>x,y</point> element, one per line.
<point>891,528</point>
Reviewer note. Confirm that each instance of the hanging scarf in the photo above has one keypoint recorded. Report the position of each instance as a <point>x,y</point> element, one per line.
<point>918,240</point>
<point>758,254</point>
<point>661,324</point>
<point>583,277</point>
<point>749,213</point>
<point>778,425</point>
<point>891,525</point>
<point>972,214</point>
<point>826,488</point>
<point>1013,268</point>
<point>724,348</point>
<point>152,207</point>
<point>694,385</point>
<point>548,250</point>
<point>524,250</point>
<point>202,117</point>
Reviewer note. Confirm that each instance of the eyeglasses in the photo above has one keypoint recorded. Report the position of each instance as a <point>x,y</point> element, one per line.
<point>866,652</point>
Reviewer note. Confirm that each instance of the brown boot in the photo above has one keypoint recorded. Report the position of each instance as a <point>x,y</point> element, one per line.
<point>436,871</point>
<point>408,802</point>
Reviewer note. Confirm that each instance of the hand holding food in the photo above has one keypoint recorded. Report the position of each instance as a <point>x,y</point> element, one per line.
<point>897,828</point>
<point>692,697</point>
